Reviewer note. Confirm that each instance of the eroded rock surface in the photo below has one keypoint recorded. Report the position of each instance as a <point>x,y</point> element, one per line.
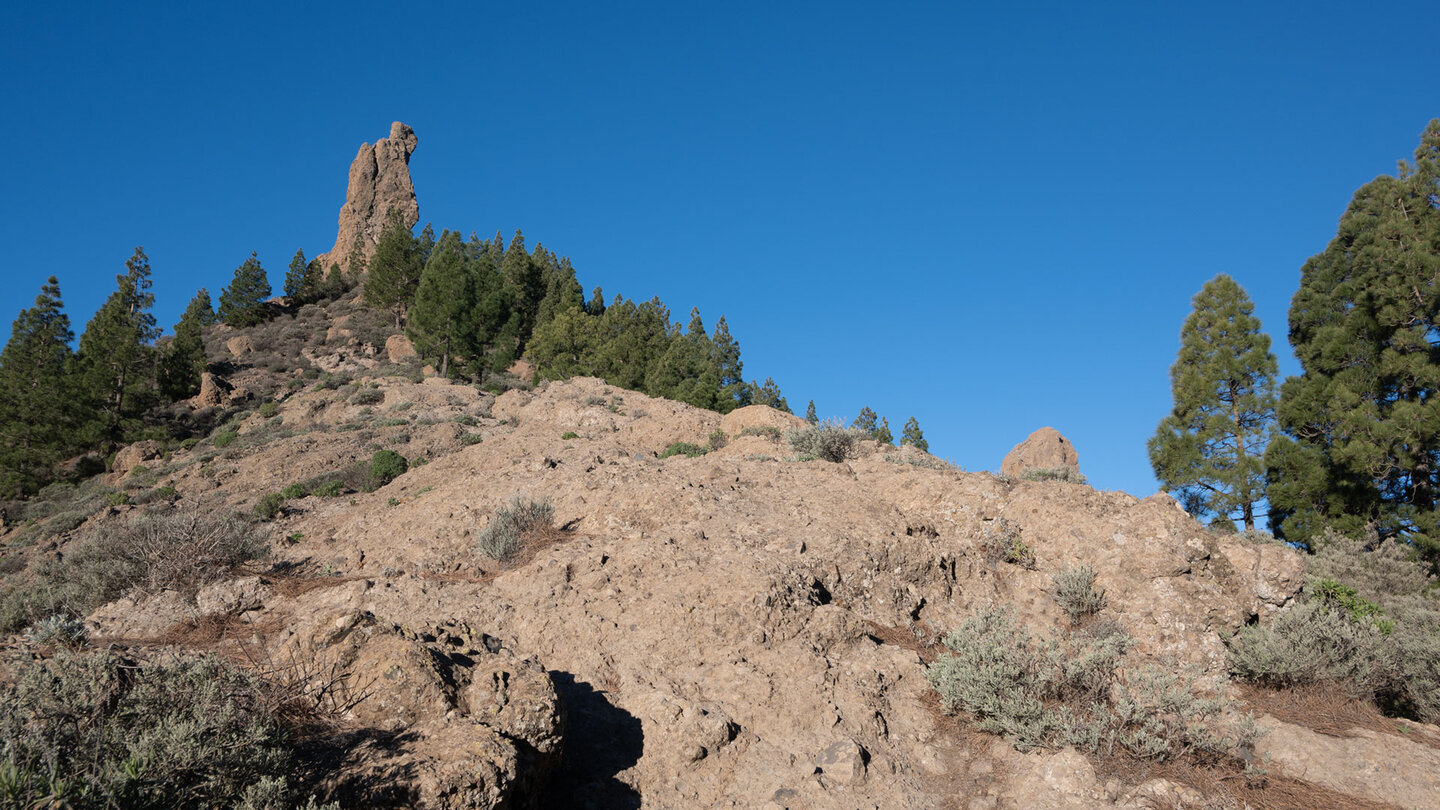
<point>731,630</point>
<point>1045,449</point>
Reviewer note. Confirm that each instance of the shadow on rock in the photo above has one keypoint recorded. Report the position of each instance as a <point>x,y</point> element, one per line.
<point>601,740</point>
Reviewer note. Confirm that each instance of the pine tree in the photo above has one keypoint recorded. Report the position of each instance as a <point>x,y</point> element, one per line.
<point>36,419</point>
<point>185,361</point>
<point>768,394</point>
<point>298,284</point>
<point>597,303</point>
<point>116,362</point>
<point>687,372</point>
<point>243,302</point>
<point>442,321</point>
<point>355,260</point>
<point>394,270</point>
<point>1362,422</point>
<point>725,354</point>
<point>334,285</point>
<point>565,347</point>
<point>810,415</point>
<point>1210,449</point>
<point>882,432</point>
<point>912,436</point>
<point>867,421</point>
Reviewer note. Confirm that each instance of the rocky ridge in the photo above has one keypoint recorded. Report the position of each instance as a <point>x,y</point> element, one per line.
<point>732,630</point>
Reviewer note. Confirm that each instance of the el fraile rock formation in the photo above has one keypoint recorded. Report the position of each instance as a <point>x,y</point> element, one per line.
<point>379,183</point>
<point>740,629</point>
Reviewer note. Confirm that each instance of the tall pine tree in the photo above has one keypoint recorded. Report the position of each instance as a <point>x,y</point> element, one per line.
<point>185,361</point>
<point>1362,421</point>
<point>36,417</point>
<point>912,435</point>
<point>243,302</point>
<point>393,273</point>
<point>442,320</point>
<point>301,283</point>
<point>116,362</point>
<point>1210,449</point>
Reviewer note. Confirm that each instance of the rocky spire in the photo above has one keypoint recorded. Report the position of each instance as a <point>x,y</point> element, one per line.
<point>379,182</point>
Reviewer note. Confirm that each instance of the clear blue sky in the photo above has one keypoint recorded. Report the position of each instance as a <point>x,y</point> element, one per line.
<point>988,218</point>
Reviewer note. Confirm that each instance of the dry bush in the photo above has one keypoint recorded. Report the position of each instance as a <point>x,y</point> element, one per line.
<point>512,524</point>
<point>1071,690</point>
<point>829,441</point>
<point>189,547</point>
<point>1066,474</point>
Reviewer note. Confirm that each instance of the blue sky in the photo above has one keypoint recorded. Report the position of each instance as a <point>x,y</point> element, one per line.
<point>989,218</point>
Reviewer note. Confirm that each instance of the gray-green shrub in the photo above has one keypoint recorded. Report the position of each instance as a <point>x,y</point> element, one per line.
<point>1368,618</point>
<point>177,550</point>
<point>1067,474</point>
<point>1076,593</point>
<point>513,523</point>
<point>98,731</point>
<point>1071,691</point>
<point>829,441</point>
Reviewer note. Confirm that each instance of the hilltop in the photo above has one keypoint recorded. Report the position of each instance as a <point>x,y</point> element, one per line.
<point>737,628</point>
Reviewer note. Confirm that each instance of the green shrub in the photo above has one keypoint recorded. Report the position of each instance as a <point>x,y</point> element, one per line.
<point>718,439</point>
<point>513,523</point>
<point>166,493</point>
<point>189,444</point>
<point>270,506</point>
<point>99,731</point>
<point>683,449</point>
<point>1076,594</point>
<point>329,489</point>
<point>224,438</point>
<point>467,420</point>
<point>117,499</point>
<point>569,434</point>
<point>1067,474</point>
<point>386,466</point>
<point>367,396</point>
<point>468,439</point>
<point>294,491</point>
<point>763,431</point>
<point>829,441</point>
<point>268,409</point>
<point>1071,691</point>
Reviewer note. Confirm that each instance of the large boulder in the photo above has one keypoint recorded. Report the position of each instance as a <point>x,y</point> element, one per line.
<point>1043,449</point>
<point>379,183</point>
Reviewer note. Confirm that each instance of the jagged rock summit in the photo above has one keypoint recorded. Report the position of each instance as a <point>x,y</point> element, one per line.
<point>379,182</point>
<point>1042,450</point>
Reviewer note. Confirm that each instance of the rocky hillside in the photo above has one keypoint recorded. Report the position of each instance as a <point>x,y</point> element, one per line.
<point>738,628</point>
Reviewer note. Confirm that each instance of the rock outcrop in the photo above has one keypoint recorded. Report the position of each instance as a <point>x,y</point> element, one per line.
<point>1045,449</point>
<point>379,183</point>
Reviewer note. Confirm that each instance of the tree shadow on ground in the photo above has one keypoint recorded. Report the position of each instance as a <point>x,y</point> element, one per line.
<point>601,740</point>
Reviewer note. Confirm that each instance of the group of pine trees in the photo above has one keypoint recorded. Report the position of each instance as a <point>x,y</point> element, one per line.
<point>1352,443</point>
<point>56,402</point>
<point>472,306</point>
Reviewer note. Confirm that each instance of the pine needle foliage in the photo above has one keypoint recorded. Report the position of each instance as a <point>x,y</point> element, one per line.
<point>1362,422</point>
<point>1210,449</point>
